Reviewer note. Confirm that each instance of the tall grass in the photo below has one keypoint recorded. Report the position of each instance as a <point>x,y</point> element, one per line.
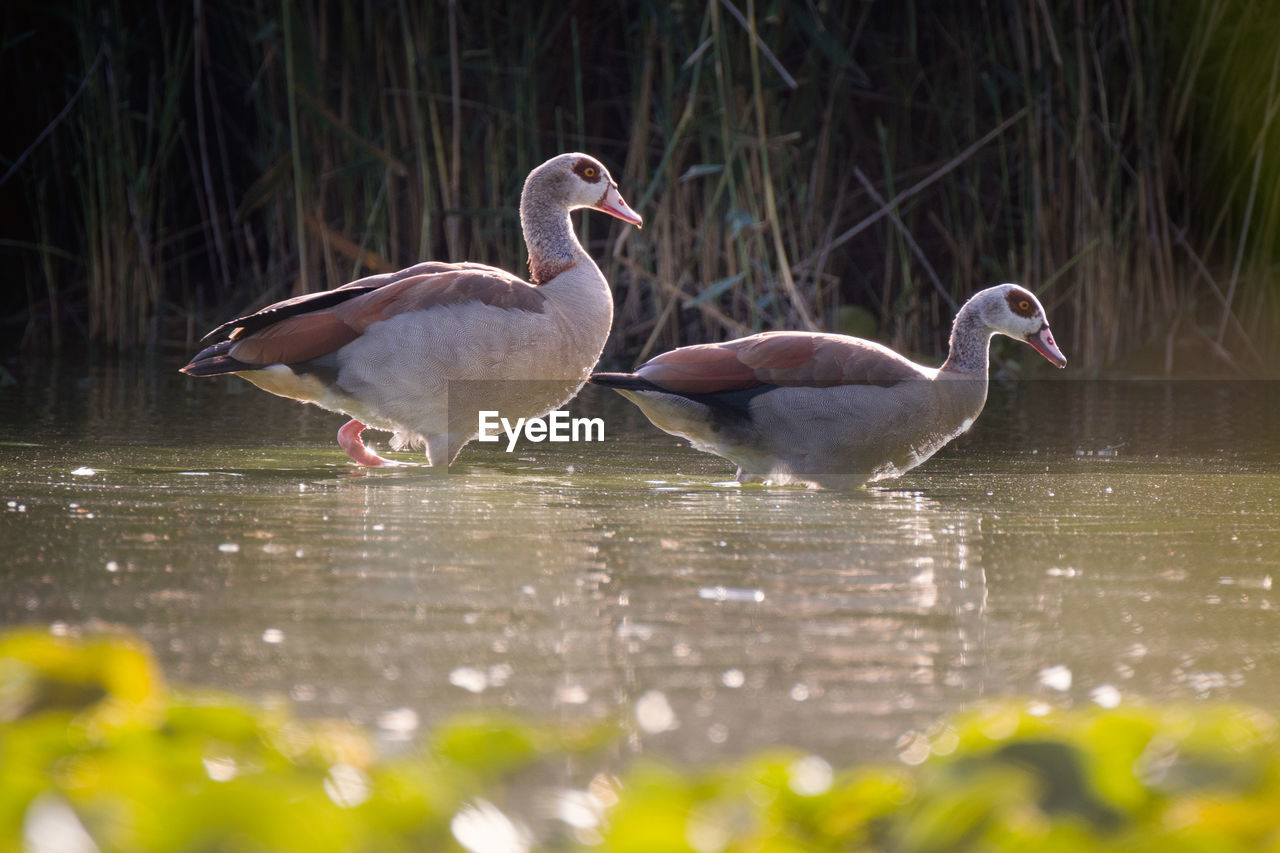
<point>856,167</point>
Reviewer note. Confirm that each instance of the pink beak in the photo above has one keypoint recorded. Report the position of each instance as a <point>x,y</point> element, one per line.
<point>1042,342</point>
<point>611,203</point>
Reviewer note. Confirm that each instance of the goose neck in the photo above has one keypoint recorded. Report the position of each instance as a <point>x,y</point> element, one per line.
<point>970,343</point>
<point>548,234</point>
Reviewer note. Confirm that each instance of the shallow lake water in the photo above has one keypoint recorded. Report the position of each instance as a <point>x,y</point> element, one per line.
<point>1087,542</point>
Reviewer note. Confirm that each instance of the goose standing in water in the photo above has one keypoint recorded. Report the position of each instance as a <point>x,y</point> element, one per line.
<point>421,351</point>
<point>830,410</point>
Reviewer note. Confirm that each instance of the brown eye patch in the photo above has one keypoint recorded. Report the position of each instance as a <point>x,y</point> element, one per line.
<point>1021,303</point>
<point>587,170</point>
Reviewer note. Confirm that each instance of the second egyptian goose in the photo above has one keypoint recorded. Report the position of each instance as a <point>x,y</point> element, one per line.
<point>830,410</point>
<point>421,351</point>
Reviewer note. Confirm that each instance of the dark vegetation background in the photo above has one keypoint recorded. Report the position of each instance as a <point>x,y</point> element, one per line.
<point>854,166</point>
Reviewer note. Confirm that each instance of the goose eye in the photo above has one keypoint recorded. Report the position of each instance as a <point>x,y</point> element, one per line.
<point>1024,305</point>
<point>589,172</point>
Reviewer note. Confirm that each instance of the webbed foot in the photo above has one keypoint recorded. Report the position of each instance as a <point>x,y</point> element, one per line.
<point>350,441</point>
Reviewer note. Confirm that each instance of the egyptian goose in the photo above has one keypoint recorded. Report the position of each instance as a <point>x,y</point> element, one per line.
<point>421,351</point>
<point>830,410</point>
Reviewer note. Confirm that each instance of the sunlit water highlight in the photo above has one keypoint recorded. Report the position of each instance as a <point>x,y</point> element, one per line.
<point>1087,542</point>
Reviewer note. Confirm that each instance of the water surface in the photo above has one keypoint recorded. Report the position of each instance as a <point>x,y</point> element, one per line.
<point>1085,542</point>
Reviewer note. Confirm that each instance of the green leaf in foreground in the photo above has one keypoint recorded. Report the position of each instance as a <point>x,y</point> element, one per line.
<point>97,752</point>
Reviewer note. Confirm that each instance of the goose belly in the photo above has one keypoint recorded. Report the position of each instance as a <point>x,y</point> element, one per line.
<point>421,376</point>
<point>847,435</point>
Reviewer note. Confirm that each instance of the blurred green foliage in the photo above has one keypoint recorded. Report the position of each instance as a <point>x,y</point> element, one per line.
<point>99,754</point>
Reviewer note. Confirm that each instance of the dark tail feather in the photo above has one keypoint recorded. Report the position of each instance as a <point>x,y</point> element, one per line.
<point>623,381</point>
<point>214,360</point>
<point>736,402</point>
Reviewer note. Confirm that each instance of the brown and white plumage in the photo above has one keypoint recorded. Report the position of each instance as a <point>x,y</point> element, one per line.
<point>830,410</point>
<point>421,351</point>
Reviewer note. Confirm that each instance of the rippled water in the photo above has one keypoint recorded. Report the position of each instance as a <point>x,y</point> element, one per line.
<point>1086,542</point>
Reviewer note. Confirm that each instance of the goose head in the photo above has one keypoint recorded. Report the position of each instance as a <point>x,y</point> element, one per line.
<point>573,181</point>
<point>1014,311</point>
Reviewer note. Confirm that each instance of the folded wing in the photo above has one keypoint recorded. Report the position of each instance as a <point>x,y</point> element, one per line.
<point>785,359</point>
<point>316,324</point>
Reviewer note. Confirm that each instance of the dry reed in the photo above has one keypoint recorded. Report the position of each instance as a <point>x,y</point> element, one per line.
<point>856,167</point>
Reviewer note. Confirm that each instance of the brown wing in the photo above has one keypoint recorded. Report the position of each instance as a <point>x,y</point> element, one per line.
<point>294,339</point>
<point>278,311</point>
<point>310,326</point>
<point>777,358</point>
<point>436,289</point>
<point>307,302</point>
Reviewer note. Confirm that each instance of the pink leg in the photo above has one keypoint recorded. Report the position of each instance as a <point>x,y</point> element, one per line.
<point>349,440</point>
